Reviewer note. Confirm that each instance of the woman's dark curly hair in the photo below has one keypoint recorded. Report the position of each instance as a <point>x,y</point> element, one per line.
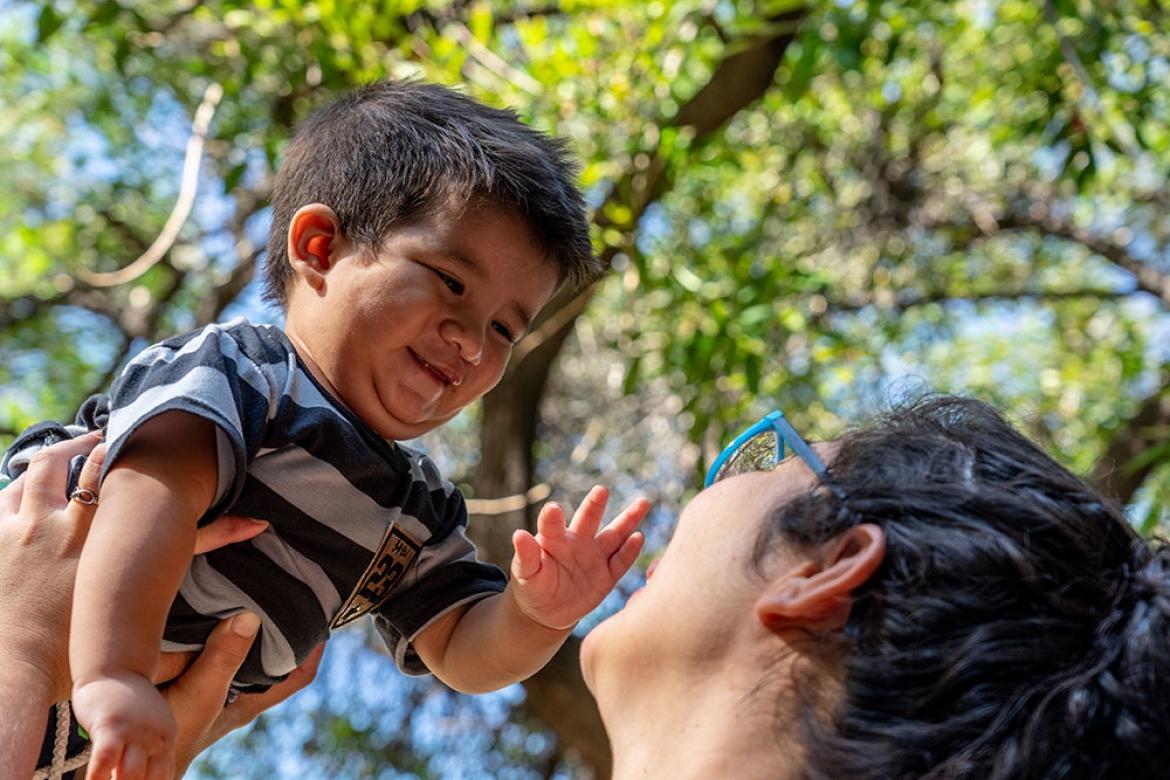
<point>1018,626</point>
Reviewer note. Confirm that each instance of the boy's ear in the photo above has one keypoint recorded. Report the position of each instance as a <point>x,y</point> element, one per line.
<point>314,236</point>
<point>816,591</point>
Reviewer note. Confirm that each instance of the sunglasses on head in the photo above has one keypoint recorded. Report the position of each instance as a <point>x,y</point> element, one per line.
<point>761,448</point>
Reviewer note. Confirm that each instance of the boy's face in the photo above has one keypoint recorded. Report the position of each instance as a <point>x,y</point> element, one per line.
<point>410,336</point>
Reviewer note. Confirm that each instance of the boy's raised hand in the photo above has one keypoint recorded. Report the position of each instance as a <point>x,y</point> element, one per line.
<point>562,573</point>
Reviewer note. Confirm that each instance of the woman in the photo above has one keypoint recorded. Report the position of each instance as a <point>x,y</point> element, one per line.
<point>943,601</point>
<point>41,533</point>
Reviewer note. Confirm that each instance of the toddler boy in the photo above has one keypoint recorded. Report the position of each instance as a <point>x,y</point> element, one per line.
<point>416,235</point>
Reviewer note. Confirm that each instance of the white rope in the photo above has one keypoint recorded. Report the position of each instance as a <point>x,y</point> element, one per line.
<point>61,763</point>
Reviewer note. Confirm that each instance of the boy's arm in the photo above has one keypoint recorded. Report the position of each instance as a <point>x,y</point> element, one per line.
<point>141,543</point>
<point>488,645</point>
<point>134,559</point>
<point>558,577</point>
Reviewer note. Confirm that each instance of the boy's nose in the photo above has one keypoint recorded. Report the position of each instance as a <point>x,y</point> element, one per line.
<point>468,338</point>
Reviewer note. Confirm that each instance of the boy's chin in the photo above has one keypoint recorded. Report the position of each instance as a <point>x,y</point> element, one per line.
<point>401,428</point>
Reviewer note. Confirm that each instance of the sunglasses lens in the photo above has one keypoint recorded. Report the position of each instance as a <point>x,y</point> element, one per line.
<point>759,453</point>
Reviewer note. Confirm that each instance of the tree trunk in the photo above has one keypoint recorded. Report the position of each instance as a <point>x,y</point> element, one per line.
<point>512,410</point>
<point>1121,470</point>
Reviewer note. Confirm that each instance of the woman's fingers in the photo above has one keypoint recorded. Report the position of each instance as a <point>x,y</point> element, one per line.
<point>48,470</point>
<point>91,473</point>
<point>226,530</point>
<point>197,696</point>
<point>245,709</point>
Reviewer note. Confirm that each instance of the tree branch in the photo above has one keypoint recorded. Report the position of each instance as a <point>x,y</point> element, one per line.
<point>1038,216</point>
<point>492,61</point>
<point>188,185</point>
<point>1148,278</point>
<point>1122,469</point>
<point>1089,102</point>
<point>909,300</point>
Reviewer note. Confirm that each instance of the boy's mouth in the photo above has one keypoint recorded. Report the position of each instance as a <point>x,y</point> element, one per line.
<point>443,375</point>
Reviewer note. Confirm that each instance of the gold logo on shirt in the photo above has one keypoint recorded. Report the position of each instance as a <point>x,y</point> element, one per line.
<point>395,555</point>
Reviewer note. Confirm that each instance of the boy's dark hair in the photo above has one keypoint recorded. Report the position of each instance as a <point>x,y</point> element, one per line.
<point>1018,626</point>
<point>393,150</point>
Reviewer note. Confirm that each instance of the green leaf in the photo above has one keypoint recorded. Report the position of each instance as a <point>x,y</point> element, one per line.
<point>630,383</point>
<point>233,177</point>
<point>48,23</point>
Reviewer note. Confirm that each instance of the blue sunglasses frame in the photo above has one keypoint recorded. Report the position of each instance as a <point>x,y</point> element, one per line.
<point>785,434</point>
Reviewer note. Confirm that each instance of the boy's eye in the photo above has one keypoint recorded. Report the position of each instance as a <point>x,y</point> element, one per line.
<point>504,331</point>
<point>454,285</point>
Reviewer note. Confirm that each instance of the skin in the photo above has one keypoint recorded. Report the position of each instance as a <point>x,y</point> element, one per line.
<point>41,537</point>
<point>558,576</point>
<point>405,335</point>
<point>37,524</point>
<point>197,697</point>
<point>410,334</point>
<point>726,635</point>
<point>151,501</point>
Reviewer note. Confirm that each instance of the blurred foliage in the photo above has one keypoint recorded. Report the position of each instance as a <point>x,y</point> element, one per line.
<point>969,196</point>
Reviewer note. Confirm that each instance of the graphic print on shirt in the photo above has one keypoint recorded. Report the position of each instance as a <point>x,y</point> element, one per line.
<point>395,555</point>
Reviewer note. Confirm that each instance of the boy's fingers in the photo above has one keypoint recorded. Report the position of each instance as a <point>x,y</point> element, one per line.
<point>587,519</point>
<point>526,561</point>
<point>621,561</point>
<point>102,762</point>
<point>134,763</point>
<point>551,520</point>
<point>625,523</point>
<point>162,767</point>
<point>226,530</point>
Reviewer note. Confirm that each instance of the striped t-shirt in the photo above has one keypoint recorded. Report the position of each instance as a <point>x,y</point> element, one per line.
<point>357,524</point>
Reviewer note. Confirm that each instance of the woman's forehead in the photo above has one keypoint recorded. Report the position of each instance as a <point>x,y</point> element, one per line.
<point>826,450</point>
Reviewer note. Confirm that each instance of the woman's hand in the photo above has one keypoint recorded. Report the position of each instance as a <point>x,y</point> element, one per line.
<point>41,534</point>
<point>197,696</point>
<point>225,530</point>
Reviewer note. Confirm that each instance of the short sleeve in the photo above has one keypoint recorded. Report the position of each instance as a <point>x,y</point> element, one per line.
<point>446,575</point>
<point>227,374</point>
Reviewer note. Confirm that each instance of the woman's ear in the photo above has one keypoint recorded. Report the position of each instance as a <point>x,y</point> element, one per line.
<point>816,590</point>
<point>314,237</point>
